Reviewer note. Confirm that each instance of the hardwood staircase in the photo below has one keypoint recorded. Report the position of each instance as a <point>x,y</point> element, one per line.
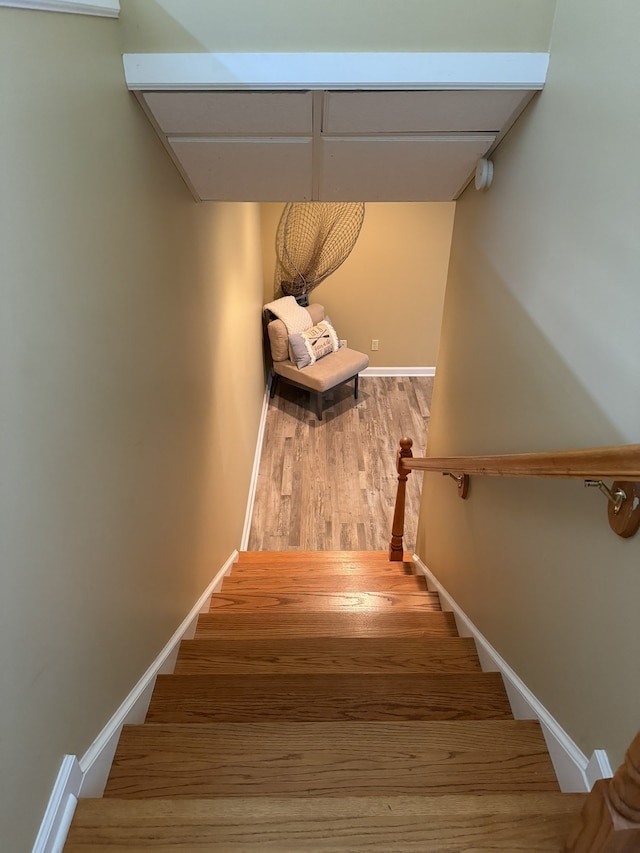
<point>327,705</point>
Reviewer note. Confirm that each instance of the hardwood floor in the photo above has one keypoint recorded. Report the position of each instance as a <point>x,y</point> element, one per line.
<point>331,484</point>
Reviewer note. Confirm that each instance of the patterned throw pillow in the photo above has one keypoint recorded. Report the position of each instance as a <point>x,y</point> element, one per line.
<point>314,343</point>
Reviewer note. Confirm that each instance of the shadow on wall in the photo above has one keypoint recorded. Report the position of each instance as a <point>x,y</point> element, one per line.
<point>502,386</point>
<point>148,27</point>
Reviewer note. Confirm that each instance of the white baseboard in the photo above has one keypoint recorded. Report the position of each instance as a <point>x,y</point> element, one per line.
<point>62,805</point>
<point>88,776</point>
<point>575,772</point>
<point>598,767</point>
<point>398,371</point>
<point>246,530</point>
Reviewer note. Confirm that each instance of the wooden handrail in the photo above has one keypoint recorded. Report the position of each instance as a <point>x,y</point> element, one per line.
<point>620,463</point>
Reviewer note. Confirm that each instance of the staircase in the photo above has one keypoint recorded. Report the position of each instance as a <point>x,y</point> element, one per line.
<point>327,705</point>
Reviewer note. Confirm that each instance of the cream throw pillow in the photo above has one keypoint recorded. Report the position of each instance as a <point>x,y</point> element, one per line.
<point>314,343</point>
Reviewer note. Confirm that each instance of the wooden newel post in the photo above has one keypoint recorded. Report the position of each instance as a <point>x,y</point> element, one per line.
<point>396,547</point>
<point>610,819</point>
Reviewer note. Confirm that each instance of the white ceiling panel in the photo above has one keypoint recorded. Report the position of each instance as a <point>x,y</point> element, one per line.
<point>228,169</point>
<point>420,112</point>
<point>282,113</point>
<point>399,168</point>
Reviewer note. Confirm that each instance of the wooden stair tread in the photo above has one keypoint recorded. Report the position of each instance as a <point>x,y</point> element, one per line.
<point>330,759</point>
<point>336,557</point>
<point>372,624</point>
<point>229,698</point>
<point>330,570</point>
<point>323,562</point>
<point>318,602</point>
<point>528,822</point>
<point>328,654</point>
<point>334,583</point>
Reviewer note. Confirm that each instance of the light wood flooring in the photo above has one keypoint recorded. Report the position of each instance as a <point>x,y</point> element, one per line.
<point>331,484</point>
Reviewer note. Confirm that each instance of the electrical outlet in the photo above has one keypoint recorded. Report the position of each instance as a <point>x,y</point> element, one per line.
<point>343,343</point>
<point>374,344</point>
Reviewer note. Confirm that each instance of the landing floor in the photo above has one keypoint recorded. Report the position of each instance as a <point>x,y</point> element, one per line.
<point>331,484</point>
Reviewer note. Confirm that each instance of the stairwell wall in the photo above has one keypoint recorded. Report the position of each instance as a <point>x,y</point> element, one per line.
<point>184,26</point>
<point>540,351</point>
<point>132,385</point>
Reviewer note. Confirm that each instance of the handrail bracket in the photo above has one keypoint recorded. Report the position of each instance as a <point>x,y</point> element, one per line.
<point>463,483</point>
<point>624,505</point>
<point>616,498</point>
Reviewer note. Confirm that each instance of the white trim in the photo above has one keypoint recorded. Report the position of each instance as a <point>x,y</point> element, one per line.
<point>96,762</point>
<point>101,8</point>
<point>574,771</point>
<point>237,71</point>
<point>246,530</point>
<point>598,767</point>
<point>59,812</point>
<point>398,371</point>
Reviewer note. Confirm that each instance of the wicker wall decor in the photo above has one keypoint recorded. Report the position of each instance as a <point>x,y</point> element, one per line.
<point>312,240</point>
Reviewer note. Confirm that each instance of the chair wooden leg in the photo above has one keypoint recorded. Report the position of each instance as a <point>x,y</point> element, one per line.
<point>319,405</point>
<point>355,387</point>
<point>274,382</point>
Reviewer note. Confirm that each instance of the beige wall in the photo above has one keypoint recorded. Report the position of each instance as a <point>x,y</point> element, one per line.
<point>391,287</point>
<point>124,392</point>
<point>540,350</point>
<point>341,25</point>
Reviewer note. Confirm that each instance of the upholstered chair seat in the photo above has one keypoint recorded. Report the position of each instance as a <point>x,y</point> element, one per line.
<point>325,374</point>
